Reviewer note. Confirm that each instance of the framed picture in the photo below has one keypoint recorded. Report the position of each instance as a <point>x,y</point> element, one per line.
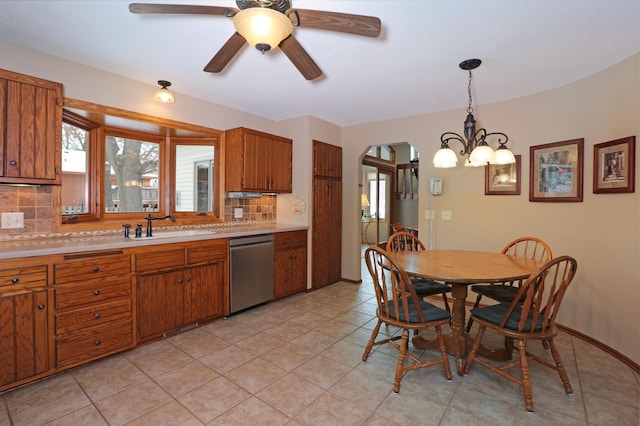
<point>502,179</point>
<point>556,171</point>
<point>614,166</point>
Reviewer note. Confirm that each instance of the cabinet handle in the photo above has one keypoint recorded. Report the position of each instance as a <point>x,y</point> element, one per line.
<point>188,280</point>
<point>15,280</point>
<point>97,316</point>
<point>96,269</point>
<point>41,306</point>
<point>180,281</point>
<point>13,162</point>
<point>96,292</point>
<point>98,342</point>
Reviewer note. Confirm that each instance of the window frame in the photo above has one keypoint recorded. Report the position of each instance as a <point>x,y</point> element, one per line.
<point>100,120</point>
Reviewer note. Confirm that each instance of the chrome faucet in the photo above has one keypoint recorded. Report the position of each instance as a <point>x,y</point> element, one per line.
<point>150,218</point>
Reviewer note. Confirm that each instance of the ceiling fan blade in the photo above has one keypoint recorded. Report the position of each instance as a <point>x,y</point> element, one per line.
<point>226,53</point>
<point>334,21</point>
<point>182,9</point>
<point>300,58</point>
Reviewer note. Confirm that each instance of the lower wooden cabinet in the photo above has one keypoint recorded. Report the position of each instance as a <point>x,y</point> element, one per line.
<point>181,286</point>
<point>290,263</point>
<point>24,334</point>
<point>93,310</point>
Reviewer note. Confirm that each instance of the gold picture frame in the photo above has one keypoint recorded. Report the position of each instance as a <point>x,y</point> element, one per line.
<point>614,166</point>
<point>502,179</point>
<point>556,171</point>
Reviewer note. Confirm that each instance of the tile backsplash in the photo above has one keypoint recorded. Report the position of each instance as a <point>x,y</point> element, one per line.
<point>36,202</point>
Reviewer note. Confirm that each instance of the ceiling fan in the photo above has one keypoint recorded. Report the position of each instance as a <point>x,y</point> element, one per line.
<point>280,18</point>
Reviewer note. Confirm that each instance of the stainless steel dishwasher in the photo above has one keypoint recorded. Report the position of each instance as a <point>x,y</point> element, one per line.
<point>251,264</point>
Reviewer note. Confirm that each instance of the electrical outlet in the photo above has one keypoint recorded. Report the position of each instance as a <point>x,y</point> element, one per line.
<point>428,214</point>
<point>237,213</point>
<point>446,215</point>
<point>12,220</point>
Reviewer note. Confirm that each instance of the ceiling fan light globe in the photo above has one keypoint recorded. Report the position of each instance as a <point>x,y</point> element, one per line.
<point>263,28</point>
<point>165,96</point>
<point>445,158</point>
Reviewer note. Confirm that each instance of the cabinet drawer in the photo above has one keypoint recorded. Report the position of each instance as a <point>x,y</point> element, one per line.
<point>208,251</point>
<point>92,291</point>
<point>91,267</point>
<point>298,239</point>
<point>159,260</point>
<point>28,276</point>
<point>94,342</point>
<point>92,316</point>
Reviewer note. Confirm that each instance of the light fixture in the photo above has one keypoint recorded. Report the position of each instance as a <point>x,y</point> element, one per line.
<point>364,202</point>
<point>262,27</point>
<point>164,94</point>
<point>474,143</point>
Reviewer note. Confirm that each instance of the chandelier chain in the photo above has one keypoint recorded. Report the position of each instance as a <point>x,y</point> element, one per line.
<point>469,108</point>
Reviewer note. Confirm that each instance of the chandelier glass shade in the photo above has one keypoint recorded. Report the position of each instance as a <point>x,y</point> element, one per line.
<point>474,142</point>
<point>262,27</point>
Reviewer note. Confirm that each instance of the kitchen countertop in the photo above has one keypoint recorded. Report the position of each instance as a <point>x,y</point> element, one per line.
<point>73,243</point>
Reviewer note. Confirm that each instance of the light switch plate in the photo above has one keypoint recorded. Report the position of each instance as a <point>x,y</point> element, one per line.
<point>446,215</point>
<point>428,214</point>
<point>237,213</point>
<point>12,220</point>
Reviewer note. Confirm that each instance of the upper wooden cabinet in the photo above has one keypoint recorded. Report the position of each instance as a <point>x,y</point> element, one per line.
<point>327,160</point>
<point>257,161</point>
<point>30,129</point>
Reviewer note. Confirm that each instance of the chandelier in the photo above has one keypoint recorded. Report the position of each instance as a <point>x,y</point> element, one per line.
<point>474,142</point>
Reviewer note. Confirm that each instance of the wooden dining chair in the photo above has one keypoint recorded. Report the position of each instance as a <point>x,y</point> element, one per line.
<point>406,241</point>
<point>531,315</point>
<point>527,247</point>
<point>399,306</point>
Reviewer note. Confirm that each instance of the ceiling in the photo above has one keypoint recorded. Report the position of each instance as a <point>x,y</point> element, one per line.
<point>527,46</point>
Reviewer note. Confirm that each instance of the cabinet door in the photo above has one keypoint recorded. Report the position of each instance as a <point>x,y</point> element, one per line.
<point>256,162</point>
<point>205,285</point>
<point>298,269</point>
<point>24,337</point>
<point>327,232</point>
<point>30,123</point>
<point>280,166</point>
<point>282,275</point>
<point>160,303</point>
<point>327,160</point>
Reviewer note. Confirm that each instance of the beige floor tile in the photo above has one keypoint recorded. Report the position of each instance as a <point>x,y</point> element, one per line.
<point>89,416</point>
<point>229,329</point>
<point>345,352</point>
<point>288,330</point>
<point>410,408</point>
<point>260,343</point>
<point>288,356</point>
<point>132,403</point>
<point>255,375</point>
<point>322,371</point>
<point>601,411</point>
<point>332,410</point>
<point>169,414</point>
<point>337,328</point>
<point>185,378</point>
<point>159,362</point>
<point>315,341</point>
<point>46,401</point>
<point>251,411</point>
<point>363,389</point>
<point>198,343</point>
<point>107,377</point>
<point>227,359</point>
<point>213,398</point>
<point>290,394</point>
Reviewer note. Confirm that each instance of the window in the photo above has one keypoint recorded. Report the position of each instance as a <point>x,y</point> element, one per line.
<point>118,167</point>
<point>132,170</point>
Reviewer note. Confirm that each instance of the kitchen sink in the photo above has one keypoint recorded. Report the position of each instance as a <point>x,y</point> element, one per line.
<point>182,233</point>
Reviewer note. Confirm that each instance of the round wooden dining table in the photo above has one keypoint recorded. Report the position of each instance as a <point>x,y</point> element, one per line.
<point>461,268</point>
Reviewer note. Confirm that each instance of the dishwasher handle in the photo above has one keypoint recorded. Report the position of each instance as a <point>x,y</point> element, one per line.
<point>252,240</point>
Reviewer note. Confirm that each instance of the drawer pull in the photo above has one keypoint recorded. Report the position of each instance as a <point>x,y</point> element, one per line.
<point>41,306</point>
<point>13,162</point>
<point>96,269</point>
<point>98,342</point>
<point>188,280</point>
<point>97,316</point>
<point>96,292</point>
<point>180,281</point>
<point>15,280</point>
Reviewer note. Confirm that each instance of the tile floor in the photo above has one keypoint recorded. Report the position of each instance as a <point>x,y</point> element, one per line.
<point>298,362</point>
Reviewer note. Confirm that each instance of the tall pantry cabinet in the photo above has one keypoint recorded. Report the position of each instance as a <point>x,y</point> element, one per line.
<point>327,214</point>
